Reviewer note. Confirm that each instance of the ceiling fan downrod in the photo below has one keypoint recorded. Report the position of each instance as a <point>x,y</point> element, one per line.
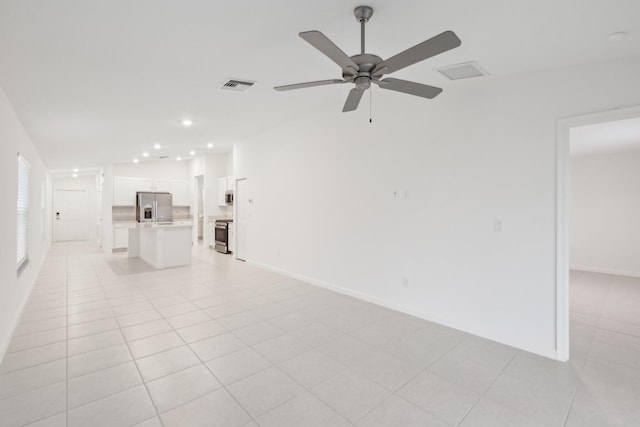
<point>362,14</point>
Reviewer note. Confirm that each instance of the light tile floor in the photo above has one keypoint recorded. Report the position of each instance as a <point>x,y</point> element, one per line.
<point>108,341</point>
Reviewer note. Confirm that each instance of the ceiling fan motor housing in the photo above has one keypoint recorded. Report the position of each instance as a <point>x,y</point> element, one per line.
<point>366,63</point>
<point>363,13</point>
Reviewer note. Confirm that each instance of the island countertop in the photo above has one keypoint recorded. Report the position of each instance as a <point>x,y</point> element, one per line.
<point>164,224</point>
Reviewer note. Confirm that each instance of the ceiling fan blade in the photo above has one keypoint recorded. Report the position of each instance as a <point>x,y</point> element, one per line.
<point>326,46</point>
<point>309,84</point>
<point>428,48</point>
<point>353,100</point>
<point>412,88</point>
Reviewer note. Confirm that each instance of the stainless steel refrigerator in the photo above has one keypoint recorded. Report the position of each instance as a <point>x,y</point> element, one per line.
<point>154,207</point>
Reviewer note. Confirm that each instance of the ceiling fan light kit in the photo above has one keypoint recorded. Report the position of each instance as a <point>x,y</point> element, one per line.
<point>365,68</point>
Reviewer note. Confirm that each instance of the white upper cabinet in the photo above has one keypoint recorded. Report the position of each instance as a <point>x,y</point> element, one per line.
<point>125,188</point>
<point>124,191</point>
<point>162,186</point>
<point>222,189</point>
<point>180,192</point>
<point>145,184</point>
<point>226,183</point>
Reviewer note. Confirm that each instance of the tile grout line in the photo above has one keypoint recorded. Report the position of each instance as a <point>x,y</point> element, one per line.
<point>395,392</point>
<point>202,362</point>
<point>133,359</point>
<point>306,389</point>
<point>488,387</point>
<point>593,338</point>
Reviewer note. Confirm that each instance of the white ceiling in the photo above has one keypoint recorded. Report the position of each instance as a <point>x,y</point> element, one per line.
<point>611,137</point>
<point>100,81</point>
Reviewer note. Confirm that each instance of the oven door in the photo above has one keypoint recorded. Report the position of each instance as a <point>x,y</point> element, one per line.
<point>222,238</point>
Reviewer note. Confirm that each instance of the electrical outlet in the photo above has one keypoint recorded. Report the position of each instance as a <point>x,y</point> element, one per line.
<point>497,225</point>
<point>405,281</point>
<point>278,252</point>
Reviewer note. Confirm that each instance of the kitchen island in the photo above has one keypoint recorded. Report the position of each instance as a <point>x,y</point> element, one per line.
<point>162,244</point>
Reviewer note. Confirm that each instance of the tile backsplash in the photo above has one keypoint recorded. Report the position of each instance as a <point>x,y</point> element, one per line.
<point>128,213</point>
<point>123,213</point>
<point>181,212</point>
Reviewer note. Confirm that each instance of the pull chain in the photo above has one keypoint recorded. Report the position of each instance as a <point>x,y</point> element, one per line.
<point>370,103</point>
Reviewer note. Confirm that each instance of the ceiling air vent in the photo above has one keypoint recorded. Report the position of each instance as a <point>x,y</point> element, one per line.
<point>236,85</point>
<point>462,71</point>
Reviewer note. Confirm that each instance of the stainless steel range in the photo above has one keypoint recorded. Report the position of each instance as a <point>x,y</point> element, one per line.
<point>222,235</point>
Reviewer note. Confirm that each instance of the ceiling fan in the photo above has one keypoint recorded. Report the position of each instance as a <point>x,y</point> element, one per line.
<point>365,68</point>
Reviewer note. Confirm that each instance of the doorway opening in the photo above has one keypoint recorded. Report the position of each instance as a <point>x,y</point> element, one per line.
<point>199,214</point>
<point>572,250</point>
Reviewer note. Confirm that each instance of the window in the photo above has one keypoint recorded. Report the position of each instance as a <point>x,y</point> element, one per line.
<point>23,212</point>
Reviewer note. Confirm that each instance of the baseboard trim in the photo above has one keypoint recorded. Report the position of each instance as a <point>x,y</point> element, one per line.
<point>430,317</point>
<point>4,346</point>
<point>605,271</point>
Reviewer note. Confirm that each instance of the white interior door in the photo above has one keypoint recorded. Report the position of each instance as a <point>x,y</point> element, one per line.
<point>70,215</point>
<point>242,207</point>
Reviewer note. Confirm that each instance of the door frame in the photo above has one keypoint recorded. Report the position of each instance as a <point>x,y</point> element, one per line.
<point>54,230</point>
<point>563,161</point>
<point>236,225</point>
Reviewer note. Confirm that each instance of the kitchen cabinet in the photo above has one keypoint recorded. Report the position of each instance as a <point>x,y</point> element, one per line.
<point>124,191</point>
<point>145,184</point>
<point>180,192</point>
<point>121,234</point>
<point>162,186</point>
<point>225,183</point>
<point>162,245</point>
<point>125,188</point>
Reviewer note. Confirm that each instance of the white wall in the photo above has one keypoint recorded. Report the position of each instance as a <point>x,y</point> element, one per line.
<point>87,183</point>
<point>14,290</point>
<point>605,213</point>
<point>322,190</point>
<point>168,169</point>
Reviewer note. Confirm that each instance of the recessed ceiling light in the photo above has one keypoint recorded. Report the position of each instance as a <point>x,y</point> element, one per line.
<point>75,175</point>
<point>75,170</point>
<point>619,35</point>
<point>178,158</point>
<point>187,122</point>
<point>135,160</point>
<point>210,145</point>
<point>145,154</point>
<point>157,146</point>
<point>192,153</point>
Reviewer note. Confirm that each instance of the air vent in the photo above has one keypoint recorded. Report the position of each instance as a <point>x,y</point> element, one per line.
<point>236,85</point>
<point>462,71</point>
<point>164,157</point>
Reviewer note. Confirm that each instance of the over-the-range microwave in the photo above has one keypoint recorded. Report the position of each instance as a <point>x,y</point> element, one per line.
<point>228,197</point>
